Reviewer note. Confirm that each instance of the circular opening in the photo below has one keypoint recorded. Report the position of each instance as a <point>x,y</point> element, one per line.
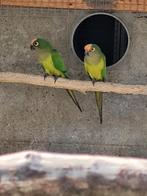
<point>105,30</point>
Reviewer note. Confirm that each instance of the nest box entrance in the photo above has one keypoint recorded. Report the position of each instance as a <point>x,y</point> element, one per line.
<point>105,30</point>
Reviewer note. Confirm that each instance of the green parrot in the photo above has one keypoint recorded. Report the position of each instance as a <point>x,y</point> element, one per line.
<point>95,67</point>
<point>52,63</point>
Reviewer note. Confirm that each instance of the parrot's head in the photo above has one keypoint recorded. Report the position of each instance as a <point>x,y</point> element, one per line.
<point>40,43</point>
<point>91,49</point>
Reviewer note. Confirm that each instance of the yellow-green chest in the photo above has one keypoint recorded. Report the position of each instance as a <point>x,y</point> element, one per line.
<point>48,65</point>
<point>95,70</point>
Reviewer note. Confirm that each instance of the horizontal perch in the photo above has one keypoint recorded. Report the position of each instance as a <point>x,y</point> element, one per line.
<point>36,173</point>
<point>82,86</point>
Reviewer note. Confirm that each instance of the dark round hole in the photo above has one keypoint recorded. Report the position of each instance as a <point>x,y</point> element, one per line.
<point>105,30</point>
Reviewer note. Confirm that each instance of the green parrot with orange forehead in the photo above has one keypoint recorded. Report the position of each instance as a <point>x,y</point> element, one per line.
<point>52,63</point>
<point>95,67</point>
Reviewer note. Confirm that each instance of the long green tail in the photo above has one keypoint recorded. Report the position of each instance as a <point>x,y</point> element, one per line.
<point>99,102</point>
<point>73,97</point>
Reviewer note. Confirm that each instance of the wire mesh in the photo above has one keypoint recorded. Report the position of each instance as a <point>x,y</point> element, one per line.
<point>126,5</point>
<point>77,4</point>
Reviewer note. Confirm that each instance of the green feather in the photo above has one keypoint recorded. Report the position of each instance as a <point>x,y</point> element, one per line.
<point>58,61</point>
<point>53,64</point>
<point>95,67</point>
<point>99,102</point>
<point>73,97</point>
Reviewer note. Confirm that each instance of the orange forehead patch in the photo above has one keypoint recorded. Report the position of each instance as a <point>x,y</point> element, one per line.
<point>33,40</point>
<point>88,47</point>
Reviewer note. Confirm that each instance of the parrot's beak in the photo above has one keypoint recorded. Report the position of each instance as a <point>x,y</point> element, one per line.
<point>87,49</point>
<point>86,53</point>
<point>32,47</point>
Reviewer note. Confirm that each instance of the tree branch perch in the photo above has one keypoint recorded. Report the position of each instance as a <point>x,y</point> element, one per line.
<point>35,173</point>
<point>81,86</point>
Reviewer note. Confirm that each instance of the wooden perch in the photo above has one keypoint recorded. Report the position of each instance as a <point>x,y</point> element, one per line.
<point>35,173</point>
<point>82,86</point>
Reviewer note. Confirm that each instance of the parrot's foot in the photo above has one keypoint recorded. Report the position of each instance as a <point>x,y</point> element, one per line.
<point>46,75</point>
<point>55,79</point>
<point>93,81</point>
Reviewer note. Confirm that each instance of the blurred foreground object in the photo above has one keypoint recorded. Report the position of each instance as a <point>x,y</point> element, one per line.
<point>37,173</point>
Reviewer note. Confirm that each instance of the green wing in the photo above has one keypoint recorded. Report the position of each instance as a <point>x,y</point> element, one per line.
<point>58,61</point>
<point>104,68</point>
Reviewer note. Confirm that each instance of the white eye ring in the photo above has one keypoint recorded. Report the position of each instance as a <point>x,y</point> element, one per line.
<point>93,49</point>
<point>36,43</point>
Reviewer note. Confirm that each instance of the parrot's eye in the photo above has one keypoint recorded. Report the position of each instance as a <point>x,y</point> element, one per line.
<point>93,49</point>
<point>36,44</point>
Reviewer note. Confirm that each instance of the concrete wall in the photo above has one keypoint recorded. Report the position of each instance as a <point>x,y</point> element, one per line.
<point>46,119</point>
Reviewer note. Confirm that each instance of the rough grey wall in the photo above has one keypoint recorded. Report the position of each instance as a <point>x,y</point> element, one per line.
<point>46,119</point>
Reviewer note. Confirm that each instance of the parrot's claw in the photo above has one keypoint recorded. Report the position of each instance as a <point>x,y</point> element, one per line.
<point>45,75</point>
<point>55,79</point>
<point>93,82</point>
